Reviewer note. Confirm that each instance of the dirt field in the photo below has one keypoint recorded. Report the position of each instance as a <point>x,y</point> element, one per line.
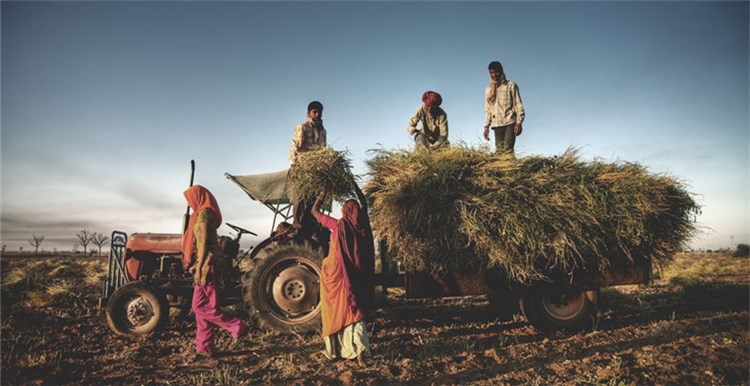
<point>690,327</point>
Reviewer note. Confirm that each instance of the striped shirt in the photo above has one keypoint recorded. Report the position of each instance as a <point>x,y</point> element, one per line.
<point>507,108</point>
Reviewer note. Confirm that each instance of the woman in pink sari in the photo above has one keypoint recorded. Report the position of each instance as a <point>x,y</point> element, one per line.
<point>201,237</point>
<point>347,280</point>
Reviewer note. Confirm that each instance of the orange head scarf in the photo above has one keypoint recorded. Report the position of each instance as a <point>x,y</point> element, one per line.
<point>198,198</point>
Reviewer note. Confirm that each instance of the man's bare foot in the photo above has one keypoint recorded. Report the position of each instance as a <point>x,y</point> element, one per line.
<point>361,361</point>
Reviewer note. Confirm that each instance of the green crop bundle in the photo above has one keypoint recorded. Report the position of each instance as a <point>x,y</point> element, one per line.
<point>324,170</point>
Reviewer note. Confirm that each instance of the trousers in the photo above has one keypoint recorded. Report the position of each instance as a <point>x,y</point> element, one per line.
<point>207,313</point>
<point>505,138</point>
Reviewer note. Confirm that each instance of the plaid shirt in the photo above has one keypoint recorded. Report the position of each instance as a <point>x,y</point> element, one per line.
<point>507,108</point>
<point>307,136</point>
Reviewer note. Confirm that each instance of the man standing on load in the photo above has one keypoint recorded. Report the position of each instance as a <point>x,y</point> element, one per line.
<point>433,131</point>
<point>308,135</point>
<point>503,110</point>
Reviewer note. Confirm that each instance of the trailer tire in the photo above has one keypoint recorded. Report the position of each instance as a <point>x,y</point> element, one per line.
<point>281,290</point>
<point>136,308</point>
<point>561,310</point>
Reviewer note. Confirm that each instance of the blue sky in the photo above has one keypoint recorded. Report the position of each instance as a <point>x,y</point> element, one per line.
<point>105,103</point>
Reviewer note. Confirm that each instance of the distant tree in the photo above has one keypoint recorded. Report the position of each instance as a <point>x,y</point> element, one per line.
<point>743,250</point>
<point>84,238</point>
<point>3,248</point>
<point>20,249</point>
<point>36,241</point>
<point>100,239</point>
<point>75,248</point>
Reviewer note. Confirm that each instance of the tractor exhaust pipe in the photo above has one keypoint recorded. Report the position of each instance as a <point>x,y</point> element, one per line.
<point>186,217</point>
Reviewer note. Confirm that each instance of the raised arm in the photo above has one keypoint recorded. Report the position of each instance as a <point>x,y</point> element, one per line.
<point>361,197</point>
<point>316,207</point>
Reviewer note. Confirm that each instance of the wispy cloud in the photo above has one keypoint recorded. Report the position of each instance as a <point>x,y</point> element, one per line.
<point>147,198</point>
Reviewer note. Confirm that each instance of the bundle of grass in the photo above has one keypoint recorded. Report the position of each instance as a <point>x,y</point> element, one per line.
<point>414,199</point>
<point>535,218</point>
<point>323,170</point>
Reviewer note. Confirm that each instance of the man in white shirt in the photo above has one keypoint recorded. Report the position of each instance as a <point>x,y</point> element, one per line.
<point>503,110</point>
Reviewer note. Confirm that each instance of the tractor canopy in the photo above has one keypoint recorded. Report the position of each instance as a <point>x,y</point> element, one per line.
<point>270,189</point>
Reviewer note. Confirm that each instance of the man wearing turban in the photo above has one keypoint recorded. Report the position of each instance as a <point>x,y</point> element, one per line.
<point>432,132</point>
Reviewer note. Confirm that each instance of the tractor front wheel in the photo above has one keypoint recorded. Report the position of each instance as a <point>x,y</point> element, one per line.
<point>281,290</point>
<point>136,309</point>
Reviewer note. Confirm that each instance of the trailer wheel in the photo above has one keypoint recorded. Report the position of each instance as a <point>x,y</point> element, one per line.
<point>281,290</point>
<point>136,309</point>
<point>565,310</point>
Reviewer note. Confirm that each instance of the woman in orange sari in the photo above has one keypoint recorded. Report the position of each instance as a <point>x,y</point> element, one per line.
<point>347,280</point>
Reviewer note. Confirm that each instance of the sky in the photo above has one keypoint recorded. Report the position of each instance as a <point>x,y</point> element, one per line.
<point>104,104</point>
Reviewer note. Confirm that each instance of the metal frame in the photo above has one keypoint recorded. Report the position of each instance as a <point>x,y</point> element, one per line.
<point>116,277</point>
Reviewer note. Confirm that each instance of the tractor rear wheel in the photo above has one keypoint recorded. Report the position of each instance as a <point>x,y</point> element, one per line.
<point>281,290</point>
<point>564,310</point>
<point>136,309</point>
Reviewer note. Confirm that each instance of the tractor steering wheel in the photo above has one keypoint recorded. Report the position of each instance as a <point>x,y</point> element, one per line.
<point>239,230</point>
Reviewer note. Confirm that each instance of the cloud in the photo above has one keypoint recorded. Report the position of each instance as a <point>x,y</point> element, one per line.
<point>22,225</point>
<point>146,197</point>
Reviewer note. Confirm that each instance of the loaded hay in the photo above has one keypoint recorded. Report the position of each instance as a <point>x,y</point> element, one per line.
<point>323,170</point>
<point>464,209</point>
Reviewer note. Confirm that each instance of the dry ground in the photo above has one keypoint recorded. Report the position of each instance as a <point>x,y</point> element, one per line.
<point>690,327</point>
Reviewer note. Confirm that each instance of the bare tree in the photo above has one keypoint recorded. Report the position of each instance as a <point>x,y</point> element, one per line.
<point>36,241</point>
<point>100,239</point>
<point>84,238</point>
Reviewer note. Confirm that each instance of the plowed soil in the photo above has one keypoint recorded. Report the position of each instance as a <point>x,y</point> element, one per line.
<point>689,327</point>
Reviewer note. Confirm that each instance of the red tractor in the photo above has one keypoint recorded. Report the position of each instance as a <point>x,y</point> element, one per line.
<point>280,289</point>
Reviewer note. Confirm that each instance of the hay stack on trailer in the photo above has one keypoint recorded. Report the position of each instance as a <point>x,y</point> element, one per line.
<point>535,218</point>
